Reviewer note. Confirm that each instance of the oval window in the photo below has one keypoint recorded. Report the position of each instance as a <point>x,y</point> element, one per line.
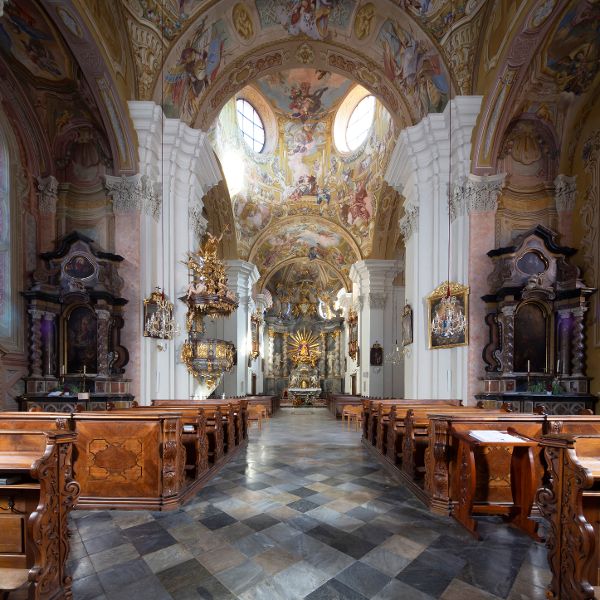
<point>251,125</point>
<point>359,123</point>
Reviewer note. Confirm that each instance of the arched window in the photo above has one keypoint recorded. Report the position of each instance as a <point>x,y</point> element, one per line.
<point>251,125</point>
<point>359,123</point>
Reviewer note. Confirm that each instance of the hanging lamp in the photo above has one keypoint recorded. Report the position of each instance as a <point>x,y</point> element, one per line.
<point>450,320</point>
<point>159,319</point>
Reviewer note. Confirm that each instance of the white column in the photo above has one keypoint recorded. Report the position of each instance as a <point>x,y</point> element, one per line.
<point>373,282</point>
<point>344,301</point>
<point>241,276</point>
<point>419,170</point>
<point>180,160</point>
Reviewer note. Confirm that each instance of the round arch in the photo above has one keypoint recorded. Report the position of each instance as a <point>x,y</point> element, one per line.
<point>266,277</point>
<point>222,49</point>
<point>323,223</point>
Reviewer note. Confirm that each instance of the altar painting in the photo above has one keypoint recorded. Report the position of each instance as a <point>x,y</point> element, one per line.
<point>81,340</point>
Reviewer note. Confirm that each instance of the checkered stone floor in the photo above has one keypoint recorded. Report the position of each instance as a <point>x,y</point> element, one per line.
<point>305,512</point>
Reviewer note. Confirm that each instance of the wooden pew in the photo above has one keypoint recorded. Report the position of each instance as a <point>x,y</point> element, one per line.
<point>134,461</point>
<point>193,436</point>
<point>408,437</point>
<point>570,501</point>
<point>377,411</point>
<point>228,412</point>
<point>442,483</point>
<point>474,448</point>
<point>271,402</point>
<point>336,402</point>
<point>34,538</point>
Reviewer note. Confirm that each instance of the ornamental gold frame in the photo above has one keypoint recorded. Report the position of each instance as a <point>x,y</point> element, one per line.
<point>456,289</point>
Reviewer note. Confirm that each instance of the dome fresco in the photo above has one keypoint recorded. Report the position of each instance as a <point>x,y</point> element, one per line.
<point>303,174</point>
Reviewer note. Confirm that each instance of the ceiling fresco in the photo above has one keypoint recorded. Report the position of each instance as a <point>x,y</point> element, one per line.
<point>304,94</point>
<point>29,39</point>
<point>56,91</point>
<point>297,239</point>
<point>303,174</point>
<point>399,61</point>
<point>573,56</point>
<point>550,88</point>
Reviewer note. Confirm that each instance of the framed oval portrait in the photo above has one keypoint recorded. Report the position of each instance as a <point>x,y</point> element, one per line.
<point>79,266</point>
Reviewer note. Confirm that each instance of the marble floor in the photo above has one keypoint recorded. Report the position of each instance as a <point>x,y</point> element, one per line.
<point>304,512</point>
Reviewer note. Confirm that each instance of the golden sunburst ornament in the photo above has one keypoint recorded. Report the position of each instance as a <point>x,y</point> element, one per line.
<point>305,347</point>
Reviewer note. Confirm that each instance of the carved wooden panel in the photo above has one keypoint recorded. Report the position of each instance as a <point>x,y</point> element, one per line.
<point>115,460</point>
<point>118,458</point>
<point>492,465</point>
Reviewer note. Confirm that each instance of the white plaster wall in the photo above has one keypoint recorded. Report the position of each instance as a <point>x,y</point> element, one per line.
<point>419,170</point>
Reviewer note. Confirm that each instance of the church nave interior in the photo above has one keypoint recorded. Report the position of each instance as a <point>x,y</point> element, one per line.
<point>299,298</point>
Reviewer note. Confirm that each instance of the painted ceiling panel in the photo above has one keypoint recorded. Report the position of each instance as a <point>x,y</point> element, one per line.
<point>303,177</point>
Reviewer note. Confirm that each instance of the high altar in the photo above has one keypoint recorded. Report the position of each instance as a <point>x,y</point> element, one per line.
<point>304,377</point>
<point>303,350</point>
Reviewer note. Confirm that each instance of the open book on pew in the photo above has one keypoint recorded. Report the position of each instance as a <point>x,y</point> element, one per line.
<point>492,436</point>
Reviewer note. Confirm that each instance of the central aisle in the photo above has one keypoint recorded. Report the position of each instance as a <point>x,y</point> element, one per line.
<point>304,513</point>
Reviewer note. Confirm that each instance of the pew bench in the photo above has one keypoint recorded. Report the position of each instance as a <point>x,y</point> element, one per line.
<point>442,468</point>
<point>36,500</point>
<point>473,448</point>
<point>570,501</point>
<point>129,461</point>
<point>372,408</point>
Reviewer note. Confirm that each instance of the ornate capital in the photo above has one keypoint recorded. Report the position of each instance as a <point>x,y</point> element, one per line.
<point>102,314</point>
<point>48,194</point>
<point>377,299</point>
<point>458,200</point>
<point>133,193</point>
<point>409,223</point>
<point>481,192</point>
<point>36,314</point>
<point>565,192</point>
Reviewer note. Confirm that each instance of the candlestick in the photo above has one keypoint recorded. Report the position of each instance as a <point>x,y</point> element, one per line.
<point>84,369</point>
<point>558,367</point>
<point>528,366</point>
<point>62,369</point>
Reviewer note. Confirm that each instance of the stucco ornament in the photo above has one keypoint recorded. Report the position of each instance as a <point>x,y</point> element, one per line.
<point>242,21</point>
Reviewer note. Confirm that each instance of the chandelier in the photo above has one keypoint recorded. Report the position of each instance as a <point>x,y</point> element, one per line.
<point>449,320</point>
<point>205,358</point>
<point>396,356</point>
<point>159,321</point>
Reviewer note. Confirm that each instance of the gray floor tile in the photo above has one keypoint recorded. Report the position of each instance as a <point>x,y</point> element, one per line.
<point>368,538</point>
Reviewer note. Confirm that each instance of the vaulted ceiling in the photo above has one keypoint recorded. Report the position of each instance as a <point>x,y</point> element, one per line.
<point>71,65</point>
